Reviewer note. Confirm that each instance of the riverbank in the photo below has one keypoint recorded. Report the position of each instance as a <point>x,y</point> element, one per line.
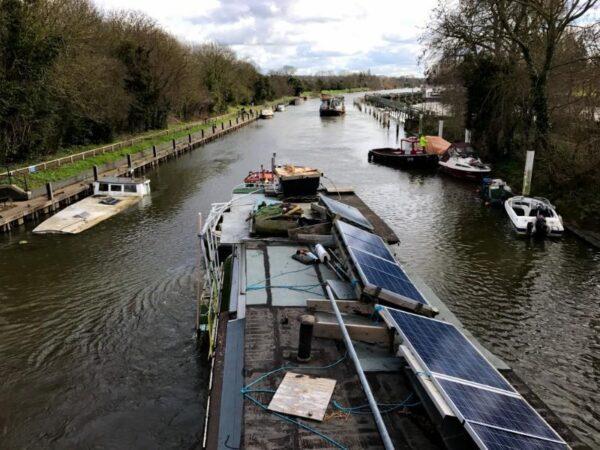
<point>56,195</point>
<point>72,161</point>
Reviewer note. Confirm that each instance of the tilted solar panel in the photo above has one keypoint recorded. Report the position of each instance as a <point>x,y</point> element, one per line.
<point>495,439</point>
<point>363,240</point>
<point>446,351</point>
<point>383,274</point>
<point>496,409</point>
<point>495,415</point>
<point>348,212</point>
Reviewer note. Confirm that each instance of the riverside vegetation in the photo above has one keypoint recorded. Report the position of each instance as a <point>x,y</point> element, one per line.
<point>525,75</point>
<point>72,76</point>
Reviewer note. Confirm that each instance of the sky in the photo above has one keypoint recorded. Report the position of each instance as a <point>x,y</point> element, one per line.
<point>310,35</point>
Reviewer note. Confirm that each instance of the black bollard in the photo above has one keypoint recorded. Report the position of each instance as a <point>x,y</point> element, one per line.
<point>307,324</point>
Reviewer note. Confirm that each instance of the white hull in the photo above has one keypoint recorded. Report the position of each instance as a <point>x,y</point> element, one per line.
<point>83,215</point>
<point>522,212</point>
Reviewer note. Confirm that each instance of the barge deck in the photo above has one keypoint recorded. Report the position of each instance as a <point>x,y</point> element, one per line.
<point>256,344</point>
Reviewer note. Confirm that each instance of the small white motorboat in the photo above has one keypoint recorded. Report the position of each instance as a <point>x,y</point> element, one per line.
<point>281,107</point>
<point>111,196</point>
<point>266,113</point>
<point>533,216</point>
<point>461,161</point>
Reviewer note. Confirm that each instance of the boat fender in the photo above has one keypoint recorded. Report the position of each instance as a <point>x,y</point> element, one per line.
<point>322,253</point>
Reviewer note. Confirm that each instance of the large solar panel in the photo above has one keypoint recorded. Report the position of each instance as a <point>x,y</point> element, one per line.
<point>509,412</point>
<point>495,439</point>
<point>363,240</point>
<point>445,350</point>
<point>495,415</point>
<point>347,212</point>
<point>384,274</point>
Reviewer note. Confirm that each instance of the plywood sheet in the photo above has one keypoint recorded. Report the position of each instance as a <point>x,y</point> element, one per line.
<point>303,395</point>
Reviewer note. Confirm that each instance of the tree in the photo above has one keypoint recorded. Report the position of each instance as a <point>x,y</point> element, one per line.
<point>26,57</point>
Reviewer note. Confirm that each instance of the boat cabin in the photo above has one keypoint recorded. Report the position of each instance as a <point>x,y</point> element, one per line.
<point>122,187</point>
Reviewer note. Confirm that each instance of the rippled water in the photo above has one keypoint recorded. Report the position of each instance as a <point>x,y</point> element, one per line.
<point>96,330</point>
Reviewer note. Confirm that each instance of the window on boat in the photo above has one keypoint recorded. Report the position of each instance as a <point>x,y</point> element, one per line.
<point>519,211</point>
<point>103,187</point>
<point>116,188</point>
<point>130,188</point>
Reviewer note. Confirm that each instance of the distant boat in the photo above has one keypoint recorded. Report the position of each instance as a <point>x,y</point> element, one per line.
<point>111,196</point>
<point>280,107</point>
<point>461,161</point>
<point>332,106</point>
<point>534,216</point>
<point>266,113</point>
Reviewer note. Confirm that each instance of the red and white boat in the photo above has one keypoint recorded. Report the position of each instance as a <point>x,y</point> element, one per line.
<point>461,161</point>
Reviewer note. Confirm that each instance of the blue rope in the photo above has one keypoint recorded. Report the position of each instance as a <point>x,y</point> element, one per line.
<point>246,391</point>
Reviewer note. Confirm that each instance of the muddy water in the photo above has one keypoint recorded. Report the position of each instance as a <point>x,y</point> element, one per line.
<point>96,330</point>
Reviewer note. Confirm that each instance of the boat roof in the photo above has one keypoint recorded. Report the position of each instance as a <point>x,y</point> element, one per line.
<point>121,180</point>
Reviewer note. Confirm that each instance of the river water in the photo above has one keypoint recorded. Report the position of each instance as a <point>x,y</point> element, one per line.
<point>96,330</point>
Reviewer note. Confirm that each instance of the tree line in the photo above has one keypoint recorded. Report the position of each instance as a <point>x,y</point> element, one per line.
<point>71,75</point>
<point>525,75</point>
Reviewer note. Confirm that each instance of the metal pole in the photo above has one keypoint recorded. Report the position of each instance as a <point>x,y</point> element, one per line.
<point>383,432</point>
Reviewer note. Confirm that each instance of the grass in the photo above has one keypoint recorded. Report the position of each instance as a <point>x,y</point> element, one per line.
<point>69,170</point>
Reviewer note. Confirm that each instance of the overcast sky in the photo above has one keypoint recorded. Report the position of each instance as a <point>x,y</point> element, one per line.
<point>312,35</point>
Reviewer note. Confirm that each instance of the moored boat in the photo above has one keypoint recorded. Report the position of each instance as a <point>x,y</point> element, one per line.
<point>495,191</point>
<point>266,113</point>
<point>302,328</point>
<point>409,154</point>
<point>534,216</point>
<point>461,161</point>
<point>332,105</point>
<point>297,181</point>
<point>280,107</point>
<point>111,196</point>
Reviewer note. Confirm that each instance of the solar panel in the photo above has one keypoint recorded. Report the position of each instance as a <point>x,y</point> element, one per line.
<point>445,350</point>
<point>495,439</point>
<point>501,410</point>
<point>363,240</point>
<point>380,273</point>
<point>346,211</point>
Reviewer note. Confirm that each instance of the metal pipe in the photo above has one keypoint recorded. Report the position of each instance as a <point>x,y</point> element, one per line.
<point>383,432</point>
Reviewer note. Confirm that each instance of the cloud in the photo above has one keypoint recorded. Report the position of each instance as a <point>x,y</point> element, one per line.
<point>312,35</point>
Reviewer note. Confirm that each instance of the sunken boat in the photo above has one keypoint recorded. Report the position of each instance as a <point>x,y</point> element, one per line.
<point>319,338</point>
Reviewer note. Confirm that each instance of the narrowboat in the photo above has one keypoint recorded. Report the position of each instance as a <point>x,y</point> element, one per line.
<point>409,154</point>
<point>332,105</point>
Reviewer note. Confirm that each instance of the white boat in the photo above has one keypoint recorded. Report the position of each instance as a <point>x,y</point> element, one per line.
<point>460,161</point>
<point>281,107</point>
<point>266,113</point>
<point>111,196</point>
<point>533,216</point>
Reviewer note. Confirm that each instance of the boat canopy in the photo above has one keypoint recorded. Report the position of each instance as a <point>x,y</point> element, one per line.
<point>437,145</point>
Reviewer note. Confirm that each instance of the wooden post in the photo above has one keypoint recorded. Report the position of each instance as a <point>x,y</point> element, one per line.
<point>202,133</point>
<point>49,191</point>
<point>222,125</point>
<point>237,120</point>
<point>229,123</point>
<point>174,144</point>
<point>441,128</point>
<point>214,128</point>
<point>154,151</point>
<point>129,162</point>
<point>95,169</point>
<point>528,172</point>
<point>190,138</point>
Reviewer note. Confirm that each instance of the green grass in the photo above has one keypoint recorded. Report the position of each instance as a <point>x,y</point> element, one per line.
<point>69,170</point>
